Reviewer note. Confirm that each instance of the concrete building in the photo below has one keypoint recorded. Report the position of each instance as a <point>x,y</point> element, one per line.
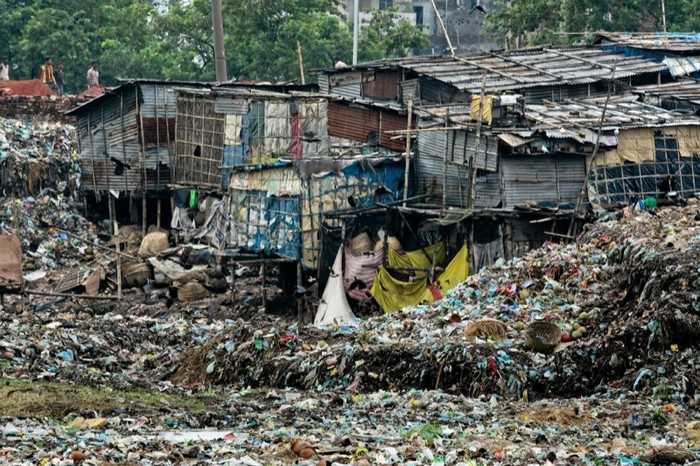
<point>464,20</point>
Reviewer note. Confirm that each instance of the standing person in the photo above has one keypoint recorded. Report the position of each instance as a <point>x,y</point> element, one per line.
<point>59,75</point>
<point>47,76</point>
<point>4,70</point>
<point>93,76</point>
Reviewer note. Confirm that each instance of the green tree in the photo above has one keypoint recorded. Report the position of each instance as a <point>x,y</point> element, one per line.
<point>387,36</point>
<point>533,22</point>
<point>143,38</point>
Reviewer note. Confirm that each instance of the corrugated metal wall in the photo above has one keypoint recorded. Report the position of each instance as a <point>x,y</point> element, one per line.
<point>324,86</point>
<point>381,84</point>
<point>541,179</point>
<point>460,146</point>
<point>357,123</point>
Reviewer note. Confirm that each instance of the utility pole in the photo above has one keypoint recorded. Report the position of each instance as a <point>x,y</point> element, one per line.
<point>442,26</point>
<point>663,14</point>
<point>217,21</point>
<point>355,31</point>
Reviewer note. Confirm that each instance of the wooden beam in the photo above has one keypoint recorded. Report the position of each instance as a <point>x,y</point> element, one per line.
<point>575,57</point>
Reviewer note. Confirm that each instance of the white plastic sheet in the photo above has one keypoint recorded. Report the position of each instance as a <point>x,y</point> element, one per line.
<point>334,308</point>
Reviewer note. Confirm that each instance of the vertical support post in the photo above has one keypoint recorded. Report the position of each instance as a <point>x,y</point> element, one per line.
<point>442,26</point>
<point>233,280</point>
<point>301,299</point>
<point>144,214</point>
<point>409,124</point>
<point>159,212</point>
<point>144,210</point>
<point>219,52</point>
<point>117,247</point>
<point>264,284</point>
<point>444,165</point>
<point>301,63</point>
<point>355,30</point>
<point>663,15</point>
<point>472,162</point>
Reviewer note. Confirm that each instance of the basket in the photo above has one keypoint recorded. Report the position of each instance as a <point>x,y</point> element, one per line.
<point>543,337</point>
<point>491,329</point>
<point>136,274</point>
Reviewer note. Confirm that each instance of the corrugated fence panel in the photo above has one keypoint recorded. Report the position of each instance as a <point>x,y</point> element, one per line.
<point>353,90</point>
<point>431,180</point>
<point>381,85</point>
<point>231,106</point>
<point>393,122</point>
<point>537,179</point>
<point>324,85</point>
<point>352,122</point>
<point>488,190</point>
<point>452,144</point>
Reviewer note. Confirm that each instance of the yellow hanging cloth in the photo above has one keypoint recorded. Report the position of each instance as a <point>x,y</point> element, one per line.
<point>486,109</point>
<point>418,259</point>
<point>456,272</point>
<point>393,295</point>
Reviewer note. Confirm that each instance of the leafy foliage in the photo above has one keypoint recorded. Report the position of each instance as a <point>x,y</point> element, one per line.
<point>533,22</point>
<point>173,38</point>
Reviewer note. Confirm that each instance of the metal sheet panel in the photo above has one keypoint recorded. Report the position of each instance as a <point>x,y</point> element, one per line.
<point>353,90</point>
<point>488,190</point>
<point>381,85</point>
<point>431,180</point>
<point>231,106</point>
<point>324,85</point>
<point>531,180</point>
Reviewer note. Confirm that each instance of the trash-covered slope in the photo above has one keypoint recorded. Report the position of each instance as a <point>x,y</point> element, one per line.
<point>626,297</point>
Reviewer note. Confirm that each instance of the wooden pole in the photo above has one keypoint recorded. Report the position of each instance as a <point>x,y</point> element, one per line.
<point>68,295</point>
<point>444,165</point>
<point>118,251</point>
<point>87,241</point>
<point>264,284</point>
<point>144,218</point>
<point>472,162</point>
<point>219,52</point>
<point>300,300</point>
<point>409,124</point>
<point>596,148</point>
<point>444,29</point>
<point>301,63</point>
<point>159,208</point>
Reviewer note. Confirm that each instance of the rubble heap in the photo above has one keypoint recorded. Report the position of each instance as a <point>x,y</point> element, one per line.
<point>625,297</point>
<point>34,157</point>
<point>159,382</point>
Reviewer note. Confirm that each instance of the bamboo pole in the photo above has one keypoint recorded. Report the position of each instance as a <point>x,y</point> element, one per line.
<point>68,295</point>
<point>301,63</point>
<point>118,251</point>
<point>408,150</point>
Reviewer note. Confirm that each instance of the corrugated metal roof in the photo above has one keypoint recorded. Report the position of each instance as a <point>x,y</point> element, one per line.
<point>688,90</point>
<point>682,66</point>
<point>668,41</point>
<point>622,112</point>
<point>520,69</point>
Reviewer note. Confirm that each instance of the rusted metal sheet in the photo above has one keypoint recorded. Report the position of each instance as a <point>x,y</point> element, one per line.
<point>361,123</point>
<point>381,85</point>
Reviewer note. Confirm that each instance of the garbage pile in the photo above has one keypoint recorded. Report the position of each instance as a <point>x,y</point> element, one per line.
<point>42,223</point>
<point>36,156</point>
<point>623,304</point>
<point>574,354</point>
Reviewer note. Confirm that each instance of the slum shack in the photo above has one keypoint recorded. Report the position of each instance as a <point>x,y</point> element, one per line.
<point>645,151</point>
<point>537,74</point>
<point>124,138</point>
<point>683,95</point>
<point>388,257</point>
<point>267,160</point>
